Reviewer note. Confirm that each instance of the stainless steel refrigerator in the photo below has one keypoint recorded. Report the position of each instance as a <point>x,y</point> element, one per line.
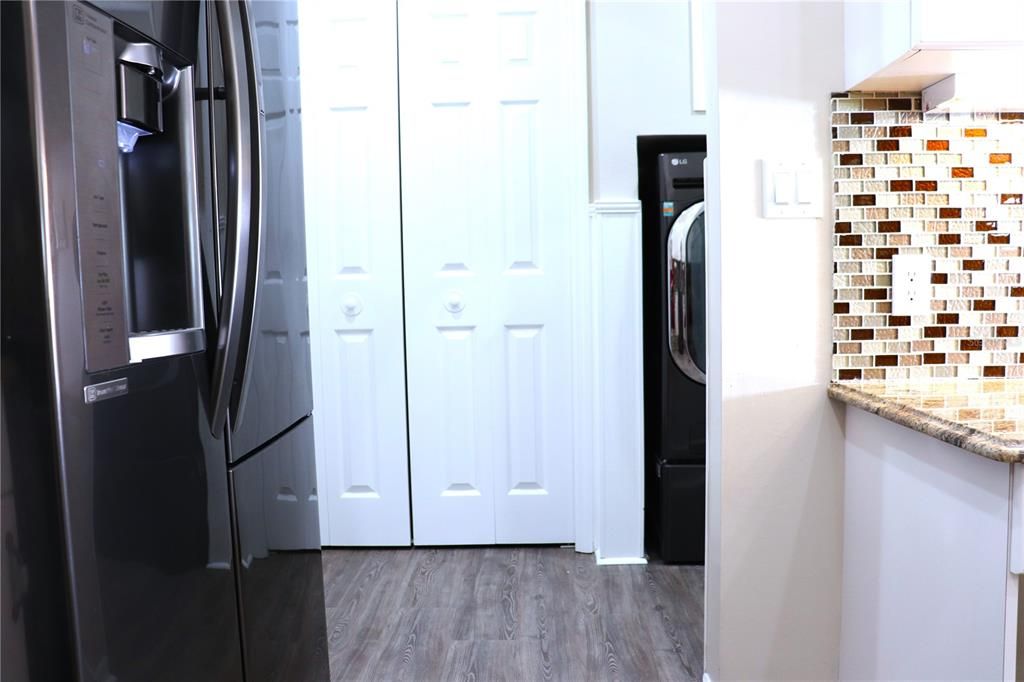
<point>159,500</point>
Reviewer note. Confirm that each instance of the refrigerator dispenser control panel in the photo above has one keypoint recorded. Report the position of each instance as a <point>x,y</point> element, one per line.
<point>98,210</point>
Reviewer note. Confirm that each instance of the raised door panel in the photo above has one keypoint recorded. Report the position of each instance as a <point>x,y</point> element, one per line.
<point>355,254</point>
<point>486,219</point>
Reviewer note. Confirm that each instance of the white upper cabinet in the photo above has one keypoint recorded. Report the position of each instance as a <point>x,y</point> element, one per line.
<point>911,44</point>
<point>967,25</point>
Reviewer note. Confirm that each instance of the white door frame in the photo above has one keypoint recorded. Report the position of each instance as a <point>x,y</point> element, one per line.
<point>584,403</point>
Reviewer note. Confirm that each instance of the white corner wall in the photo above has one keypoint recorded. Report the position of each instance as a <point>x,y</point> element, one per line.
<point>776,440</point>
<point>640,84</point>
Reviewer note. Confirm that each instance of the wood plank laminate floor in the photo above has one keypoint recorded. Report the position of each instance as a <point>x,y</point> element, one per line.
<point>509,613</point>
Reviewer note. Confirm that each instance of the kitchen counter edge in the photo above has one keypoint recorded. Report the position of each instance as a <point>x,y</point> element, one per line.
<point>972,440</point>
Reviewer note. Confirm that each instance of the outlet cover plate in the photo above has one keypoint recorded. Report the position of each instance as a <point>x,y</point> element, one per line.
<point>911,284</point>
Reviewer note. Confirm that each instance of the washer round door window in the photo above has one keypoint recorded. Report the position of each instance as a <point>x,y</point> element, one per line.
<point>686,293</point>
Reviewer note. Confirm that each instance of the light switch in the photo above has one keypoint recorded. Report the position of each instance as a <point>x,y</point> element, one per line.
<point>784,184</point>
<point>791,189</point>
<point>806,187</point>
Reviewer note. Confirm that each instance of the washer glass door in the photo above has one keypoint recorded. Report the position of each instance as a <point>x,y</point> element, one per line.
<point>687,315</point>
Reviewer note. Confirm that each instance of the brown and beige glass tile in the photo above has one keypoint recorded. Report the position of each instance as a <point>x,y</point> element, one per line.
<point>946,185</point>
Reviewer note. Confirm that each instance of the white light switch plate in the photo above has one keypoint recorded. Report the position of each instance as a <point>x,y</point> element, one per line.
<point>791,189</point>
<point>911,284</point>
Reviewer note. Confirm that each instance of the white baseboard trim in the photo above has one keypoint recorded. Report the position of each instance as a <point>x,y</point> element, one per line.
<point>620,560</point>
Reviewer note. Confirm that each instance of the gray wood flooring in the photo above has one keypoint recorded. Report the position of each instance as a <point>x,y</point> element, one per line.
<point>509,613</point>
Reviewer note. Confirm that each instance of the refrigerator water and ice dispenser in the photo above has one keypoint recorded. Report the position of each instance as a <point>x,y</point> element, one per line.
<point>137,206</point>
<point>139,94</point>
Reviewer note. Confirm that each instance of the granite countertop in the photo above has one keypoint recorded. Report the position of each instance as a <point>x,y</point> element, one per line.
<point>983,416</point>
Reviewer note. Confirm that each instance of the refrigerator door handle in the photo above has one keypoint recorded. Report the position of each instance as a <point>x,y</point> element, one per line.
<point>244,210</point>
<point>677,289</point>
<point>258,121</point>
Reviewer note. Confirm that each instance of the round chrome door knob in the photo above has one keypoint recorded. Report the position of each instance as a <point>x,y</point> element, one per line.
<point>352,305</point>
<point>454,303</point>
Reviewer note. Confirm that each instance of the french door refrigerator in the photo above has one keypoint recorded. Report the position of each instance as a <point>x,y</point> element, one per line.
<point>159,501</point>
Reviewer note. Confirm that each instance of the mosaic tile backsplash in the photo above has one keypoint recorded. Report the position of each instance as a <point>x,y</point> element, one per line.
<point>950,186</point>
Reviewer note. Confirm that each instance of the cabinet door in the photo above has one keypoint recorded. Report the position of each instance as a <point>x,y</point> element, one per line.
<point>485,115</point>
<point>355,257</point>
<point>925,581</point>
<point>978,22</point>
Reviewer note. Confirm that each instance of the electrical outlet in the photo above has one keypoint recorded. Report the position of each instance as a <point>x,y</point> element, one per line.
<point>911,284</point>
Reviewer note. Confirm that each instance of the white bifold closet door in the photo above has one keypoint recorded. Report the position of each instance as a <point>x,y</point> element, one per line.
<point>353,223</point>
<point>485,116</point>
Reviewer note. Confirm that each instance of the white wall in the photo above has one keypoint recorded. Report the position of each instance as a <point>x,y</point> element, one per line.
<point>775,441</point>
<point>639,85</point>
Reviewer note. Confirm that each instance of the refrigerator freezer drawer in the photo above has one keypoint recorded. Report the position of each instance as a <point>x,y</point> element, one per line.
<point>280,573</point>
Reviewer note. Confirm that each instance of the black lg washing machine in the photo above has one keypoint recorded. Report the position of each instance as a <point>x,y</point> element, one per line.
<point>671,183</point>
